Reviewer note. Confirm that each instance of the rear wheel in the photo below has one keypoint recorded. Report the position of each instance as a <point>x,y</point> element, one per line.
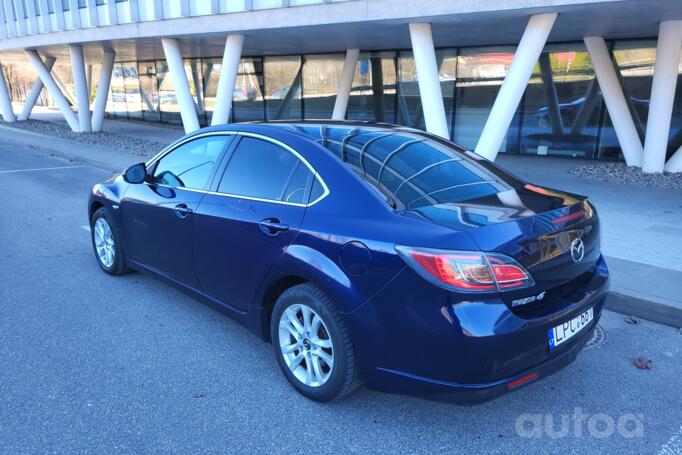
<point>107,243</point>
<point>312,345</point>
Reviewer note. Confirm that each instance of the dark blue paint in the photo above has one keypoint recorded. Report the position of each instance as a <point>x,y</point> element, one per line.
<point>410,335</point>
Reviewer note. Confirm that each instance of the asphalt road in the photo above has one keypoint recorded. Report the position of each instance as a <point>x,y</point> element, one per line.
<point>95,364</point>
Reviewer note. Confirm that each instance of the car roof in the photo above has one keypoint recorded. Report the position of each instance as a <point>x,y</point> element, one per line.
<point>302,128</point>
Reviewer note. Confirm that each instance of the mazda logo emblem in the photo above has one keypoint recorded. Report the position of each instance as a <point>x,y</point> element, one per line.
<point>577,250</point>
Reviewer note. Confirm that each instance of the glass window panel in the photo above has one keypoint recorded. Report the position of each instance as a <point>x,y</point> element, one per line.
<point>149,93</point>
<point>247,101</point>
<point>131,85</point>
<point>373,92</point>
<point>559,114</point>
<point>196,87</point>
<point>409,109</point>
<point>117,94</point>
<point>283,87</point>
<point>168,103</point>
<point>321,74</point>
<point>210,77</point>
<point>480,73</point>
<point>675,137</point>
<point>635,62</point>
<point>259,169</point>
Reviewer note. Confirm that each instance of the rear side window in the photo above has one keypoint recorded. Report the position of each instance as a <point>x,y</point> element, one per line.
<point>263,170</point>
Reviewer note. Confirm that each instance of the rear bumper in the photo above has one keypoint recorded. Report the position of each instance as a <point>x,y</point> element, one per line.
<point>407,383</point>
<point>420,340</point>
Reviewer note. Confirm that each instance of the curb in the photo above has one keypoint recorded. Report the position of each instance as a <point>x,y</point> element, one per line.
<point>651,308</point>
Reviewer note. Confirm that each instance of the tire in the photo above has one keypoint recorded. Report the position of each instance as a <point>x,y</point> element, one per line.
<point>116,265</point>
<point>325,383</point>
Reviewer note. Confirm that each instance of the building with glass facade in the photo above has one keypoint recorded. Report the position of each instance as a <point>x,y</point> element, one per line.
<point>294,60</point>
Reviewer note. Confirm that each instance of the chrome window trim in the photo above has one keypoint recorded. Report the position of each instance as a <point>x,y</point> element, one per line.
<point>172,147</point>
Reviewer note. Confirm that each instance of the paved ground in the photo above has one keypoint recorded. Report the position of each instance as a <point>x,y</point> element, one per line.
<point>95,364</point>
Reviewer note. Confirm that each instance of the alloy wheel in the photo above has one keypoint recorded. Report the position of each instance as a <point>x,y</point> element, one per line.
<point>306,346</point>
<point>104,242</point>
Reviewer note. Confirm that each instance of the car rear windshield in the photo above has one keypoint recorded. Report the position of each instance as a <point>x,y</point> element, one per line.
<point>409,168</point>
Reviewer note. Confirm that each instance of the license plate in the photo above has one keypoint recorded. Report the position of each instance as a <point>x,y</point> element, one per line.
<point>569,329</point>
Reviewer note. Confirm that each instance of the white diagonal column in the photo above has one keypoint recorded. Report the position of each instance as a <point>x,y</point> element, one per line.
<point>80,82</point>
<point>178,76</point>
<point>102,90</point>
<point>51,85</point>
<point>228,76</point>
<point>615,100</point>
<point>662,95</point>
<point>5,99</point>
<point>34,94</point>
<point>512,89</point>
<point>345,84</point>
<point>428,79</point>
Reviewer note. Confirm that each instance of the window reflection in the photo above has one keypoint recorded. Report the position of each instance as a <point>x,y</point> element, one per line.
<point>283,80</point>
<point>321,75</point>
<point>561,113</point>
<point>480,73</point>
<point>373,92</point>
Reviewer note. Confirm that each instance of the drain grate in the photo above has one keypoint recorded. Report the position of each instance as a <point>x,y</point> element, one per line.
<point>598,338</point>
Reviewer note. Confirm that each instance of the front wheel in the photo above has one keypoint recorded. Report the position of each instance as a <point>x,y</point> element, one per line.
<point>312,345</point>
<point>107,243</point>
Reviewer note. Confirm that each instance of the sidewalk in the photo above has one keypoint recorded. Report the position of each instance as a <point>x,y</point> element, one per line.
<point>641,227</point>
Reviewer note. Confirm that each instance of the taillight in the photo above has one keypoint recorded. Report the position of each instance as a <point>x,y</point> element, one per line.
<point>467,271</point>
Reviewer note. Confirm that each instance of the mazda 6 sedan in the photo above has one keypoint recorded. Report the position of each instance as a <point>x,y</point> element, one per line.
<point>364,253</point>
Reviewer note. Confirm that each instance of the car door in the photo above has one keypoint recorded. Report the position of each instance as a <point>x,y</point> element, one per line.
<point>158,215</point>
<point>253,213</point>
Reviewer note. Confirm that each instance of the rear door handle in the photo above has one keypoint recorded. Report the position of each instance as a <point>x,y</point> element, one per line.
<point>182,211</point>
<point>273,226</point>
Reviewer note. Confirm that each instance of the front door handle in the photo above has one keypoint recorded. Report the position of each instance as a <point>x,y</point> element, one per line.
<point>182,211</point>
<point>273,226</point>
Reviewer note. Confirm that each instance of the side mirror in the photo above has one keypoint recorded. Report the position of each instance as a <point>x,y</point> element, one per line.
<point>137,173</point>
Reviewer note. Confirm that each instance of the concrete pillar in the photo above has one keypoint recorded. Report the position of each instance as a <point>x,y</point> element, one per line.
<point>51,85</point>
<point>615,100</point>
<point>345,84</point>
<point>178,76</point>
<point>228,77</point>
<point>100,105</point>
<point>662,95</point>
<point>514,85</point>
<point>429,82</point>
<point>34,94</point>
<point>5,99</point>
<point>80,82</point>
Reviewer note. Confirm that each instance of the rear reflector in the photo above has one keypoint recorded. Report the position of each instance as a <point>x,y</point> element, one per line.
<point>569,217</point>
<point>521,381</point>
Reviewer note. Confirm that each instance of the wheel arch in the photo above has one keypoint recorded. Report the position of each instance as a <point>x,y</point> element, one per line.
<point>301,264</point>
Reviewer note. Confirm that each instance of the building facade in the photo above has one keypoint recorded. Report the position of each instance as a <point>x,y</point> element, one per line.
<point>574,78</point>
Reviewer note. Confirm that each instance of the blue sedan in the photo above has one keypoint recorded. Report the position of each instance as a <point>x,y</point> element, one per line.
<point>365,254</point>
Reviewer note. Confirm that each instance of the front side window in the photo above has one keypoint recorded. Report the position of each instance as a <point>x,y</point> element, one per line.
<point>190,165</point>
<point>263,170</point>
